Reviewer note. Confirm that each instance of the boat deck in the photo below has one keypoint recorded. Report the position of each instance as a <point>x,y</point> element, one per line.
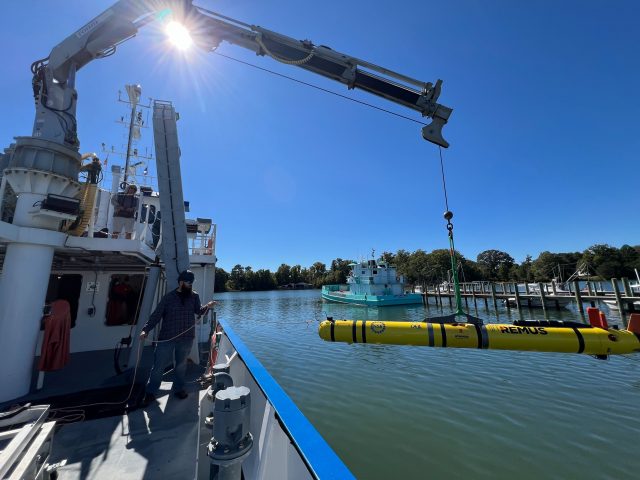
<point>156,442</point>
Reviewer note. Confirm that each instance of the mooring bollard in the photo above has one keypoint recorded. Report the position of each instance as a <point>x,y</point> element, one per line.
<point>231,441</point>
<point>219,381</point>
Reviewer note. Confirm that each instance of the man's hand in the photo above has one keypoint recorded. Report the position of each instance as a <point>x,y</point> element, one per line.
<point>143,335</point>
<point>211,304</point>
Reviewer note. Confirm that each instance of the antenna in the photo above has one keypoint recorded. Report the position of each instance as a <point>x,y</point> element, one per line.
<point>137,119</point>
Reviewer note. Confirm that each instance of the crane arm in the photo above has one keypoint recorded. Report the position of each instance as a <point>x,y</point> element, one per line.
<point>210,29</point>
<point>54,77</point>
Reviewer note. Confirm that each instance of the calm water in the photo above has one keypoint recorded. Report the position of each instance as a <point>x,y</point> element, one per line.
<point>417,412</point>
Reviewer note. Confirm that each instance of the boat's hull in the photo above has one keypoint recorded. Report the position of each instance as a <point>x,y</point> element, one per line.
<point>372,300</point>
<point>613,304</point>
<point>549,302</point>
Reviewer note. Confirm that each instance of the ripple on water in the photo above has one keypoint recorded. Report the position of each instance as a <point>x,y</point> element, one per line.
<point>415,412</point>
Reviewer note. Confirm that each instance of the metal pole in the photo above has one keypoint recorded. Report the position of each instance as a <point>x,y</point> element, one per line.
<point>129,141</point>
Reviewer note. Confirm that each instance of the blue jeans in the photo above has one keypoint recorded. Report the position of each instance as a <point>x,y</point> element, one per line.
<point>163,355</point>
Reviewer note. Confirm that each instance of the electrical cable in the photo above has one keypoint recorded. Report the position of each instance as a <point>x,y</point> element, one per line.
<point>302,61</point>
<point>321,89</point>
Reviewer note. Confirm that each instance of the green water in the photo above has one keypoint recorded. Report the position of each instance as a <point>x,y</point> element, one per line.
<point>400,412</point>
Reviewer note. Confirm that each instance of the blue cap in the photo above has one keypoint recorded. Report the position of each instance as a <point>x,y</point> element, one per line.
<point>186,276</point>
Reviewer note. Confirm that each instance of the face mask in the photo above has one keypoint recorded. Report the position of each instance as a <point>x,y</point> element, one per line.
<point>186,289</point>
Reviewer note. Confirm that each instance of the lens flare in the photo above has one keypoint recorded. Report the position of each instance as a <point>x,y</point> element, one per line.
<point>178,35</point>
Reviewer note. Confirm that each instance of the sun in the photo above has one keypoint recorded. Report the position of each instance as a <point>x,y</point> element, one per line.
<point>178,35</point>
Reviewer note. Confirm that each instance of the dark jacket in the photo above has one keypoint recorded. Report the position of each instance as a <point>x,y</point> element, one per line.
<point>125,205</point>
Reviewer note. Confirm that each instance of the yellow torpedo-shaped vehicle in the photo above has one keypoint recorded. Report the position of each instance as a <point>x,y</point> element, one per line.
<point>541,336</point>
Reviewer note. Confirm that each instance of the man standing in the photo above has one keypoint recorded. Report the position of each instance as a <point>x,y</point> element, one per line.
<point>125,206</point>
<point>177,309</point>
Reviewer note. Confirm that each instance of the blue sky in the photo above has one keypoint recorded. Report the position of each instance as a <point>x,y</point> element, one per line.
<point>545,135</point>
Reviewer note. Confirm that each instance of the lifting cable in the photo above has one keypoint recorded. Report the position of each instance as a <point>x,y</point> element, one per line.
<point>448,215</point>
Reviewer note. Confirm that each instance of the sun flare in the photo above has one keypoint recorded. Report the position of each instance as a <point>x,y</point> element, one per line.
<point>178,35</point>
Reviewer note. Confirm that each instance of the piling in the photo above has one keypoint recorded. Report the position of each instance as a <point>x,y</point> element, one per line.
<point>542,297</point>
<point>576,287</point>
<point>590,289</point>
<point>627,288</point>
<point>493,296</point>
<point>616,292</point>
<point>517,293</point>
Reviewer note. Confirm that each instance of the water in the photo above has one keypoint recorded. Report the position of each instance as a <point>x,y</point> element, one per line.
<point>416,412</point>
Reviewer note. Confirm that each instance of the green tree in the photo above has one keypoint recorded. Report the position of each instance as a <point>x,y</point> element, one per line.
<point>630,258</point>
<point>340,269</point>
<point>221,279</point>
<point>237,278</point>
<point>495,264</point>
<point>317,271</point>
<point>605,260</point>
<point>263,280</point>
<point>283,274</point>
<point>296,274</point>
<point>388,257</point>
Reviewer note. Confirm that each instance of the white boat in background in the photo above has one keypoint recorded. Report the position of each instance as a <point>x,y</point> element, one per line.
<point>535,302</point>
<point>635,291</point>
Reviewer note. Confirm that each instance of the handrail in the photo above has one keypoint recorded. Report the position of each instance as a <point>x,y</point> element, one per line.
<point>321,460</point>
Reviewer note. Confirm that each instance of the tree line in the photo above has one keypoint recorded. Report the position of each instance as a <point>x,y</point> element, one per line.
<point>600,261</point>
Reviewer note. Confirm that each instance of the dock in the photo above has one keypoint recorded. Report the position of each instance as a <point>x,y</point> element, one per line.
<point>540,295</point>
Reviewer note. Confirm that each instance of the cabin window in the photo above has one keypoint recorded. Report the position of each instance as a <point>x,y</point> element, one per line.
<point>65,287</point>
<point>123,303</point>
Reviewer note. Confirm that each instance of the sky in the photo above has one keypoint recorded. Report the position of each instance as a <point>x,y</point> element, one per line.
<point>545,131</point>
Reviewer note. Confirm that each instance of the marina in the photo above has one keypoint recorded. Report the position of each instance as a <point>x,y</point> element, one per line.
<point>542,295</point>
<point>119,357</point>
<point>571,410</point>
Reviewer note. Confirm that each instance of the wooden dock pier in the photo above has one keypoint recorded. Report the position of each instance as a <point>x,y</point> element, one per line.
<point>542,295</point>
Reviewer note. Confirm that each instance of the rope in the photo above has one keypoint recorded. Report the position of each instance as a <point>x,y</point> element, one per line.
<point>77,412</point>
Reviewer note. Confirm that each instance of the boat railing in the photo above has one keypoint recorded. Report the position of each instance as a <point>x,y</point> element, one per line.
<point>277,424</point>
<point>202,243</point>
